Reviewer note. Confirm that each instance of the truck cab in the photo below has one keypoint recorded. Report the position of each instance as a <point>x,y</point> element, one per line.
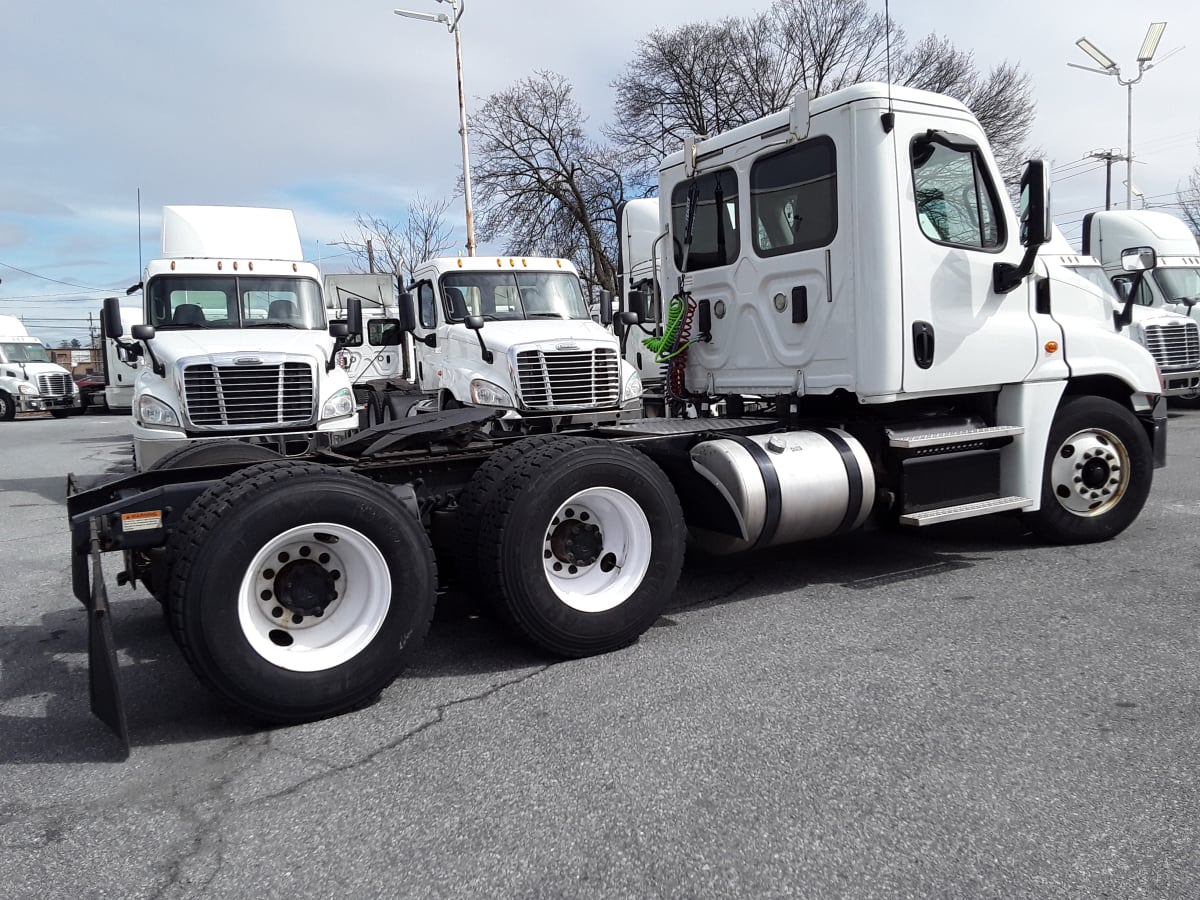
<point>235,343</point>
<point>29,381</point>
<point>515,333</point>
<point>1174,284</point>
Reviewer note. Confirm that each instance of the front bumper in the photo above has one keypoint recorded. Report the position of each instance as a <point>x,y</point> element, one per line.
<point>26,403</point>
<point>1176,384</point>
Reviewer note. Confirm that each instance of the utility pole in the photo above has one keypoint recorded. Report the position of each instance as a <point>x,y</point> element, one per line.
<point>370,257</point>
<point>1109,157</point>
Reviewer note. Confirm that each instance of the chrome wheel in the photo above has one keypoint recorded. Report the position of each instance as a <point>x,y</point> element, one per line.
<point>1090,472</point>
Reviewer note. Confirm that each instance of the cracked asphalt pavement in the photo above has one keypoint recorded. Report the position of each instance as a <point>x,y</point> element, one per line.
<point>960,712</point>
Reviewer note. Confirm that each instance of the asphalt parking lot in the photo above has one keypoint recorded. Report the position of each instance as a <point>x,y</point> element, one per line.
<point>960,712</point>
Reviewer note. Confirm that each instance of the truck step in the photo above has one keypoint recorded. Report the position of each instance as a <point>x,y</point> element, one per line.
<point>965,511</point>
<point>958,436</point>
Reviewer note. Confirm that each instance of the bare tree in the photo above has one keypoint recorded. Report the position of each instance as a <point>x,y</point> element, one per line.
<point>541,185</point>
<point>399,247</point>
<point>1189,199</point>
<point>707,78</point>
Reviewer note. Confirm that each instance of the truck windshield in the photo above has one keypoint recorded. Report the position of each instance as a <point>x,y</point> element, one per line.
<point>234,301</point>
<point>19,352</point>
<point>1179,283</point>
<point>514,295</point>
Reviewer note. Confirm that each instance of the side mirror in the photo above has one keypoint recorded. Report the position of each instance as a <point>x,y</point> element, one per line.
<point>629,318</point>
<point>1036,226</point>
<point>339,330</point>
<point>606,311</point>
<point>474,322</point>
<point>353,317</point>
<point>637,306</point>
<point>408,312</point>
<point>142,332</point>
<point>1134,259</point>
<point>110,318</point>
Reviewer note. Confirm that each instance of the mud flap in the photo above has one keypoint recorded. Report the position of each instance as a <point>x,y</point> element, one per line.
<point>102,657</point>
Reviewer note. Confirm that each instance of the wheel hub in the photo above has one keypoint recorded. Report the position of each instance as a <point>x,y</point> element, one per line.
<point>305,587</point>
<point>1094,473</point>
<point>1090,472</point>
<point>576,542</point>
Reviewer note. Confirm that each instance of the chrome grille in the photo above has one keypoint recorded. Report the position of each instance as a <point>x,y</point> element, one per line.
<point>568,379</point>
<point>1174,346</point>
<point>241,396</point>
<point>54,385</point>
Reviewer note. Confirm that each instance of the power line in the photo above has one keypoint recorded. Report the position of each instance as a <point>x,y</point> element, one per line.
<point>82,287</point>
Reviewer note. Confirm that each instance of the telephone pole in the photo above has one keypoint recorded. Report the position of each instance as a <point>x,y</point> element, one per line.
<point>1109,157</point>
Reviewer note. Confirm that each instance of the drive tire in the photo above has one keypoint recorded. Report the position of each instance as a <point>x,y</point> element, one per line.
<point>480,491</point>
<point>59,413</point>
<point>346,541</point>
<point>1096,475</point>
<point>611,510</point>
<point>8,407</point>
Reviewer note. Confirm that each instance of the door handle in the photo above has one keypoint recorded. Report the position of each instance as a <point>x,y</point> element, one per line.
<point>923,344</point>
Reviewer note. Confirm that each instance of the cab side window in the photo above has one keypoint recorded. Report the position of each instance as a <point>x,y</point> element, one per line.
<point>426,305</point>
<point>712,202</point>
<point>957,203</point>
<point>793,198</point>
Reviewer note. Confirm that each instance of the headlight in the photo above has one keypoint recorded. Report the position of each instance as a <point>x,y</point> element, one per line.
<point>487,394</point>
<point>633,387</point>
<point>340,404</point>
<point>152,411</point>
<point>26,388</point>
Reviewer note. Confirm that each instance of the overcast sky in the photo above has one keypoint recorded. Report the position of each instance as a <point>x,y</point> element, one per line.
<point>335,108</point>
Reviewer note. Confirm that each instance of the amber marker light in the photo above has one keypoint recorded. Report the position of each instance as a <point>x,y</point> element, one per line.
<point>235,265</point>
<point>219,265</point>
<point>1051,346</point>
<point>172,265</point>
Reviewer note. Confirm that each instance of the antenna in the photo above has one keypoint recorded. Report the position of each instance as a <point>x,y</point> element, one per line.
<point>139,205</point>
<point>888,119</point>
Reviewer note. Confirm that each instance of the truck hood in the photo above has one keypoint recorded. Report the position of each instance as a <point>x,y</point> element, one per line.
<point>499,336</point>
<point>1153,315</point>
<point>173,346</point>
<point>32,369</point>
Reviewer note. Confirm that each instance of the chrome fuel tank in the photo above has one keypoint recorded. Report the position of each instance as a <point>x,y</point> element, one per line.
<point>786,487</point>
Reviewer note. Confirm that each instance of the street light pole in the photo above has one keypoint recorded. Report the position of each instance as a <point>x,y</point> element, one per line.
<point>451,23</point>
<point>1108,66</point>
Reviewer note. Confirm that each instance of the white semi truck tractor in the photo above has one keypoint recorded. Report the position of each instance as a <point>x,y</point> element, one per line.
<point>846,283</point>
<point>234,352</point>
<point>29,381</point>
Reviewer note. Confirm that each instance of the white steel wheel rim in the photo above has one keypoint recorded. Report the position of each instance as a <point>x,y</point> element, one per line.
<point>345,626</point>
<point>596,549</point>
<point>1090,472</point>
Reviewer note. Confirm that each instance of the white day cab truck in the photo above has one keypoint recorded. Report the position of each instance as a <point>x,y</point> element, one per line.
<point>866,314</point>
<point>515,334</point>
<point>1171,289</point>
<point>235,360</point>
<point>29,382</point>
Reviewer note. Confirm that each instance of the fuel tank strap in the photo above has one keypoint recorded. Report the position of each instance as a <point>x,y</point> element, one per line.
<point>854,479</point>
<point>774,496</point>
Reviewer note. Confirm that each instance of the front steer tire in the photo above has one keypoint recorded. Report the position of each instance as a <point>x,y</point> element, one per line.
<point>584,542</point>
<point>300,591</point>
<point>1096,475</point>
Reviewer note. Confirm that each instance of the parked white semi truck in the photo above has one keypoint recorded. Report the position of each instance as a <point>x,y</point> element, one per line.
<point>1171,338</point>
<point>857,296</point>
<point>515,334</point>
<point>235,344</point>
<point>29,381</point>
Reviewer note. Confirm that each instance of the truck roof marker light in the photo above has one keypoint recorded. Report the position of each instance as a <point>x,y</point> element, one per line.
<point>172,265</point>
<point>1051,346</point>
<point>524,262</point>
<point>559,261</point>
<point>511,261</point>
<point>250,266</point>
<point>219,265</point>
<point>235,265</point>
<point>499,262</point>
<point>294,268</point>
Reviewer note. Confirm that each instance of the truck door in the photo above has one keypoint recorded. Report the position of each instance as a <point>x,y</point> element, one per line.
<point>954,226</point>
<point>427,358</point>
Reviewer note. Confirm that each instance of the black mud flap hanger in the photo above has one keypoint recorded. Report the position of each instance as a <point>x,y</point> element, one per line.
<point>103,686</point>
